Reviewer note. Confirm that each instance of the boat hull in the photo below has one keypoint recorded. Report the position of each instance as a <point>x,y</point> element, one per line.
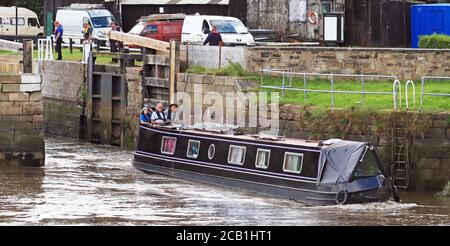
<point>153,156</point>
<point>302,192</point>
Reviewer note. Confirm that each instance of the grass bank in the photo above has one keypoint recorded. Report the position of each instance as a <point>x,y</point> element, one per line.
<point>354,97</point>
<point>8,53</point>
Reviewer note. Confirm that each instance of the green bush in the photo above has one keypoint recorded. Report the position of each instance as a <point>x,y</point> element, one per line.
<point>445,191</point>
<point>233,69</point>
<point>435,41</point>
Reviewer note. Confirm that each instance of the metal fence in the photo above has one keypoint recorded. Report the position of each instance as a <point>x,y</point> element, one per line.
<point>424,79</point>
<point>287,85</point>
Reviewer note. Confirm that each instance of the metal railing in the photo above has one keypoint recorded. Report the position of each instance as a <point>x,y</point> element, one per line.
<point>410,83</point>
<point>45,49</point>
<point>396,91</point>
<point>423,94</point>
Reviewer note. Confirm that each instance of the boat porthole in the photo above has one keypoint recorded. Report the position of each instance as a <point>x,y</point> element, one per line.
<point>341,197</point>
<point>211,151</point>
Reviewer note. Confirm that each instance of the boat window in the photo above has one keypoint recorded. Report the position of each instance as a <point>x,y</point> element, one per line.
<point>293,163</point>
<point>236,155</point>
<point>193,149</point>
<point>368,166</point>
<point>262,158</point>
<point>168,145</point>
<point>211,151</point>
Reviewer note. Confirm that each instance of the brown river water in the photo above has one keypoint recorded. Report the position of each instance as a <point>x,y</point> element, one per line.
<point>84,184</point>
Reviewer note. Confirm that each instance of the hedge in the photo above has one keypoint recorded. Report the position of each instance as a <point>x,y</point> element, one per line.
<point>435,41</point>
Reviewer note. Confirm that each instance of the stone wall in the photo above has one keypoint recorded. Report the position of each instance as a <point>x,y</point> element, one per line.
<point>197,86</point>
<point>21,120</point>
<point>134,106</point>
<point>63,89</point>
<point>430,133</point>
<point>404,63</point>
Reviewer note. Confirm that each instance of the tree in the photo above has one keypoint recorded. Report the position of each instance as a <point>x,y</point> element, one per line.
<point>34,5</point>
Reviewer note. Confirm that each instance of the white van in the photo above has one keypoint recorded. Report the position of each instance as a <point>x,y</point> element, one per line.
<point>27,22</point>
<point>197,27</point>
<point>73,17</point>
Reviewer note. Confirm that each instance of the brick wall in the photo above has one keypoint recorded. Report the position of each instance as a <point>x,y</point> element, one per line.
<point>21,120</point>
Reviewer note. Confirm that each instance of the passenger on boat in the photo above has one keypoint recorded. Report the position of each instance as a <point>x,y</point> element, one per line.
<point>146,116</point>
<point>171,112</point>
<point>159,117</point>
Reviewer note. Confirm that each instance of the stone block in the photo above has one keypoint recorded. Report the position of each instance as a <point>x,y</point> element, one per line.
<point>10,79</point>
<point>10,108</point>
<point>440,123</point>
<point>6,139</point>
<point>35,96</point>
<point>32,108</point>
<point>15,125</point>
<point>229,81</point>
<point>445,164</point>
<point>429,164</point>
<point>441,175</point>
<point>435,133</point>
<point>3,96</point>
<point>440,116</point>
<point>425,174</point>
<point>31,79</point>
<point>29,140</point>
<point>21,87</point>
<point>19,97</point>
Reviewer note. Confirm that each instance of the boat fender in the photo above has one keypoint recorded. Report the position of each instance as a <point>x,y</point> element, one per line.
<point>395,193</point>
<point>313,17</point>
<point>341,197</point>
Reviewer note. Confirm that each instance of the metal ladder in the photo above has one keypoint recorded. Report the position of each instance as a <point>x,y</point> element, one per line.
<point>400,168</point>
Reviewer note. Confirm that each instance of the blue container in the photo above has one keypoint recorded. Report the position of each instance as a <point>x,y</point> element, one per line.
<point>427,19</point>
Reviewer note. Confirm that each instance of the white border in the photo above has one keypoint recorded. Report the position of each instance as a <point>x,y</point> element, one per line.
<point>214,153</point>
<point>189,145</point>
<point>238,147</point>
<point>162,144</point>
<point>268,159</point>
<point>284,163</point>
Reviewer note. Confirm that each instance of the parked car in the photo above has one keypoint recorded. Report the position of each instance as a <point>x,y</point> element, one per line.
<point>192,29</point>
<point>164,27</point>
<point>27,22</point>
<point>197,27</point>
<point>73,17</point>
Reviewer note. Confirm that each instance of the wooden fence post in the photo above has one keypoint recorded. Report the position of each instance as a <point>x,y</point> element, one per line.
<point>174,68</point>
<point>27,56</point>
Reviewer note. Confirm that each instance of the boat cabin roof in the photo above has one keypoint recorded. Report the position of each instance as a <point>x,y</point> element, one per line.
<point>231,133</point>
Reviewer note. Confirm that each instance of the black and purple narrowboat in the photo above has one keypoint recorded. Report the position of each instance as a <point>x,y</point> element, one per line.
<point>319,173</point>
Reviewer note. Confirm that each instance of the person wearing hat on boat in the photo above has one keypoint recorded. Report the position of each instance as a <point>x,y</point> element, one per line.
<point>146,116</point>
<point>171,112</point>
<point>159,117</point>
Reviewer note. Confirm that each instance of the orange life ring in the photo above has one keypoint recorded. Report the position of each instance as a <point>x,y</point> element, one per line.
<point>313,17</point>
